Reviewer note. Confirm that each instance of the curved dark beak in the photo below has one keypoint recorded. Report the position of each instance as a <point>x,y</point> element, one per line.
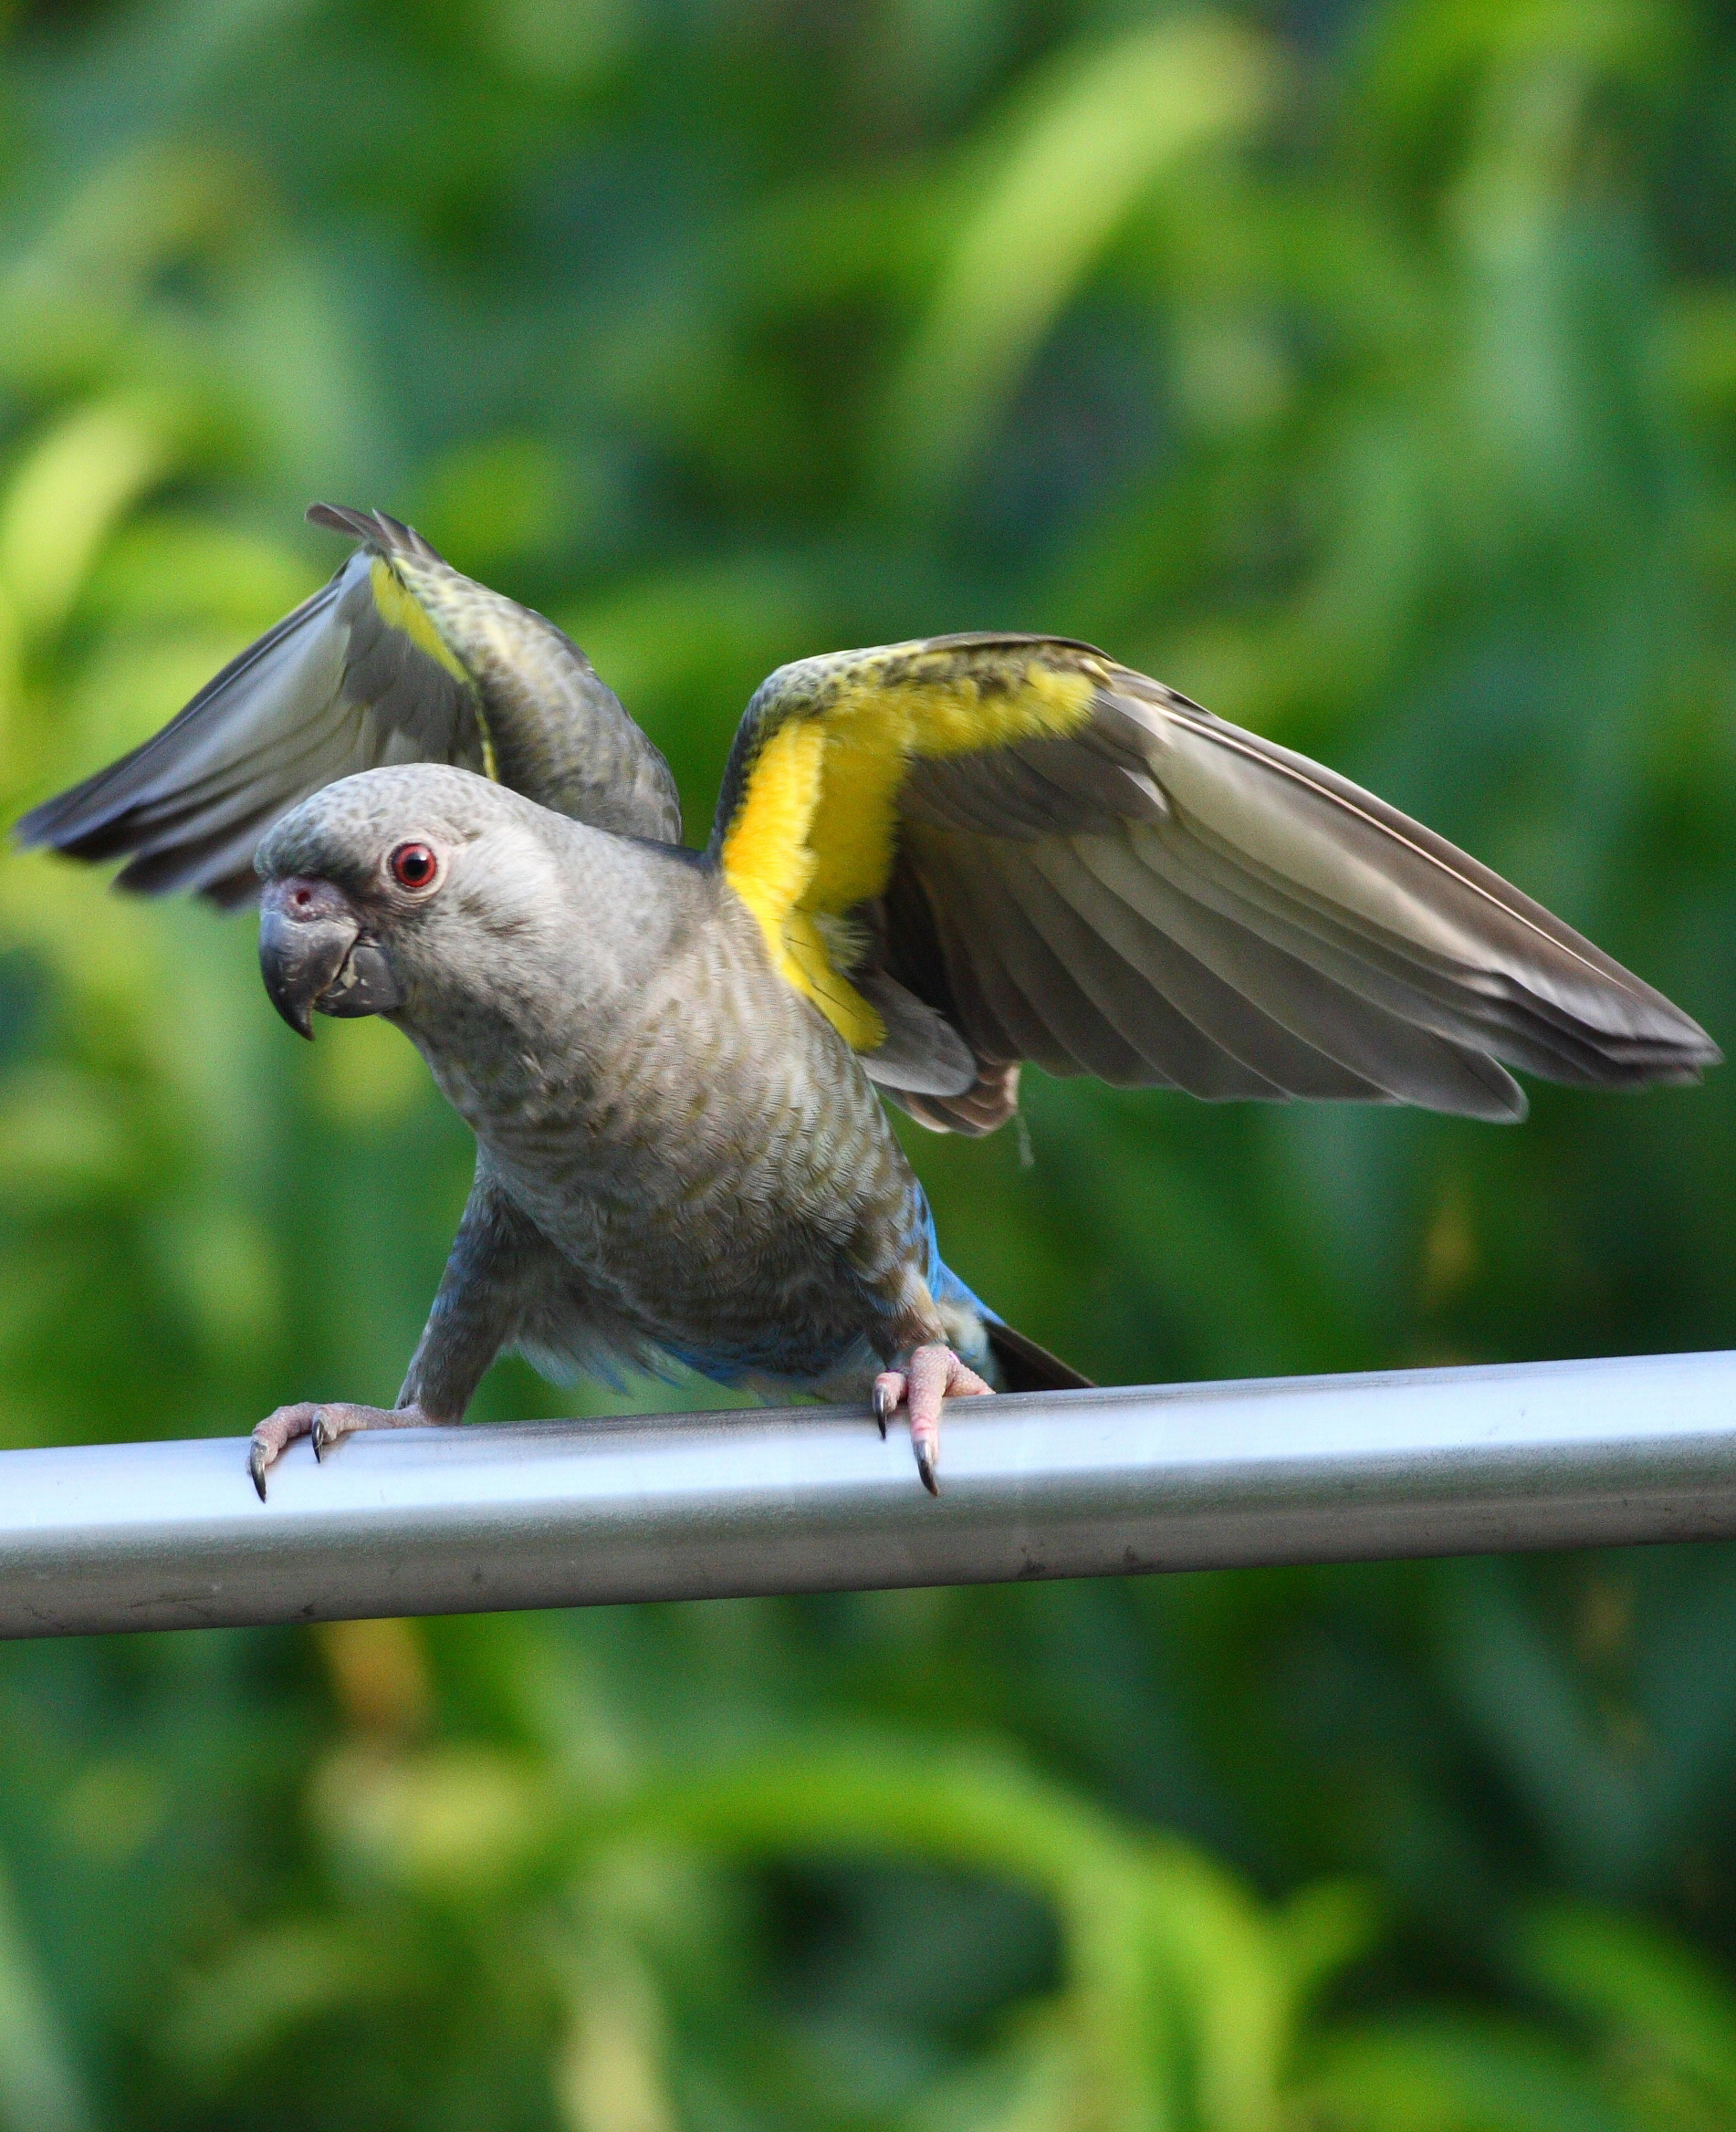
<point>313,953</point>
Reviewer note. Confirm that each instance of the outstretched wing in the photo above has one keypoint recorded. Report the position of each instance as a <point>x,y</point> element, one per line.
<point>398,659</point>
<point>979,849</point>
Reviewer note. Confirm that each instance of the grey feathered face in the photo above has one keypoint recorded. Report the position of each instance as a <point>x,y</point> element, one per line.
<point>373,887</point>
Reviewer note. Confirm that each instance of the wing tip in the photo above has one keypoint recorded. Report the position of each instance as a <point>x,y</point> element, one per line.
<point>34,831</point>
<point>67,820</point>
<point>54,827</point>
<point>375,529</point>
<point>1692,1051</point>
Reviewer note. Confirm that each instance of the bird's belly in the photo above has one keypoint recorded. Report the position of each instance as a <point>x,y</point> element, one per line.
<point>723,1182</point>
<point>713,1268</point>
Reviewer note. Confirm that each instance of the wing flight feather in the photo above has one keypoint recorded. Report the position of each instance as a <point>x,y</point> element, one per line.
<point>397,659</point>
<point>1066,862</point>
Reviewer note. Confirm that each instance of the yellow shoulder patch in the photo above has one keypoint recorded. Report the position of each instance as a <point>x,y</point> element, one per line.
<point>816,830</point>
<point>399,609</point>
<point>766,856</point>
<point>768,862</point>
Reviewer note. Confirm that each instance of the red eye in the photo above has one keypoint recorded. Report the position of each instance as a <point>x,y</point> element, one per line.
<point>413,865</point>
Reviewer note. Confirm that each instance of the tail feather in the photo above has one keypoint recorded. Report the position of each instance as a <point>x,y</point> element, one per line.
<point>1026,1367</point>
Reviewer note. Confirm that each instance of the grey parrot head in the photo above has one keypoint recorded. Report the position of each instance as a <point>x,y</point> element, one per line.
<point>382,891</point>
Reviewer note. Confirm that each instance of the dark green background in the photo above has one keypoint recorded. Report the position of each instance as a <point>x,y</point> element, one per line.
<point>1367,371</point>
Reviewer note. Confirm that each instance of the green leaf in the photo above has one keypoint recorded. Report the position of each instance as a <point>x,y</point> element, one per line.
<point>1086,143</point>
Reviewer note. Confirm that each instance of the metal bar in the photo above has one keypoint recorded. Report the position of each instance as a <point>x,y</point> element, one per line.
<point>1420,1462</point>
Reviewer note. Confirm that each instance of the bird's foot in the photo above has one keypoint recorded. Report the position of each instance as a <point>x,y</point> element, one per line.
<point>932,1374</point>
<point>325,1421</point>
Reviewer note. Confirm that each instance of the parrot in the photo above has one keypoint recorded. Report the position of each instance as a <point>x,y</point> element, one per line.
<point>931,863</point>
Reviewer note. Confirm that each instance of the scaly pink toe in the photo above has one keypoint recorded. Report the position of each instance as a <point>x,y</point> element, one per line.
<point>935,1376</point>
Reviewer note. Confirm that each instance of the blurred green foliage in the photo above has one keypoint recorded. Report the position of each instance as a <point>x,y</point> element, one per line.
<point>1367,370</point>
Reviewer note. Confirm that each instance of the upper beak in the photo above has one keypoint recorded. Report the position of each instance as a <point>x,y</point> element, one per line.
<point>313,953</point>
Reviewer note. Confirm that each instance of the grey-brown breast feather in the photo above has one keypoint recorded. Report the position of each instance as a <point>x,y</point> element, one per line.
<point>1165,897</point>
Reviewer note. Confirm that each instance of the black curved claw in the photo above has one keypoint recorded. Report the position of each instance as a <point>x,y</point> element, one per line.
<point>257,1463</point>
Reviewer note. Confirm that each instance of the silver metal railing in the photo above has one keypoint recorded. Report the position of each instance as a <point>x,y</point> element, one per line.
<point>171,1535</point>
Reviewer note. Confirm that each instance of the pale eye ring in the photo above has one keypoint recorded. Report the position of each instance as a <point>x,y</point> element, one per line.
<point>415,866</point>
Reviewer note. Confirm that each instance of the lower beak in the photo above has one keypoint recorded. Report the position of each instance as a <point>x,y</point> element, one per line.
<point>312,955</point>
